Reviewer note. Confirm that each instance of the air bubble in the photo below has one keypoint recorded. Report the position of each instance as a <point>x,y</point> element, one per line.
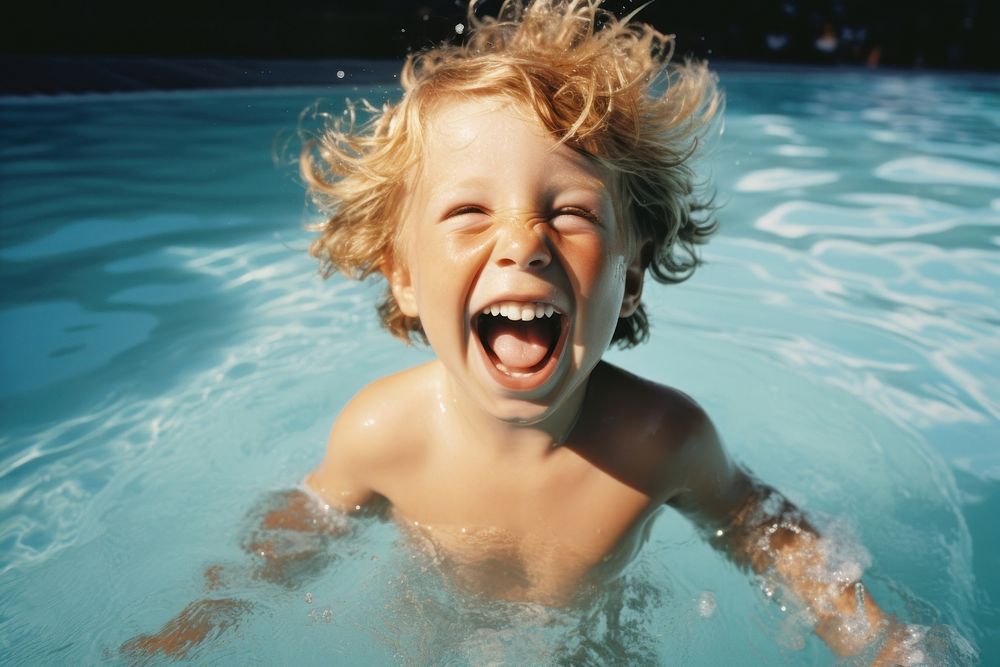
<point>706,604</point>
<point>309,598</point>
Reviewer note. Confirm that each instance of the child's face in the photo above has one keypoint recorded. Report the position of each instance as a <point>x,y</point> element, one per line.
<point>499,217</point>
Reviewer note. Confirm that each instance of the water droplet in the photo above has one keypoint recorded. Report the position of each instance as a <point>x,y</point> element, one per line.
<point>719,533</point>
<point>459,28</point>
<point>340,74</point>
<point>327,615</point>
<point>357,507</point>
<point>309,598</point>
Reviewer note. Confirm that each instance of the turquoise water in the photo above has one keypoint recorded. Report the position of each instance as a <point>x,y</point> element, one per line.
<point>169,357</point>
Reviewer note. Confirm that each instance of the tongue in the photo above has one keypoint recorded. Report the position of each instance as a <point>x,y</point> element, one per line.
<point>518,345</point>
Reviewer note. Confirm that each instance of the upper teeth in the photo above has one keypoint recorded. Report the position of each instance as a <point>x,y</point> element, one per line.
<point>514,310</point>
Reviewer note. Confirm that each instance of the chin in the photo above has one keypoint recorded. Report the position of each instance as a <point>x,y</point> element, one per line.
<point>533,410</point>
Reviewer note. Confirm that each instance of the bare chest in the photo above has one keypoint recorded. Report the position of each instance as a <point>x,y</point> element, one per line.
<point>519,540</point>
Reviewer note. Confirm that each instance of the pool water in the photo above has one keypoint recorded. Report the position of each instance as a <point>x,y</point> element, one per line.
<point>169,357</point>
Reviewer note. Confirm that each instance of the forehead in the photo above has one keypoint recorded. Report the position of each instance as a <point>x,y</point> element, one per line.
<point>497,140</point>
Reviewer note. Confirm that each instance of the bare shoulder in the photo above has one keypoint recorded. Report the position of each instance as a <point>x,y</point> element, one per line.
<point>376,433</point>
<point>676,449</point>
<point>658,433</point>
<point>672,418</point>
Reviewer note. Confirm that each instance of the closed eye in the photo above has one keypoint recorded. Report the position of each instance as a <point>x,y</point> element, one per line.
<point>465,210</point>
<point>573,217</point>
<point>467,219</point>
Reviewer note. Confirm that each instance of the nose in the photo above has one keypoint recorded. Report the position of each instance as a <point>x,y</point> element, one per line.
<point>522,245</point>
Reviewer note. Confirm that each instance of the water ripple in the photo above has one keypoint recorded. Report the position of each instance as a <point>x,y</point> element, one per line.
<point>767,180</point>
<point>938,170</point>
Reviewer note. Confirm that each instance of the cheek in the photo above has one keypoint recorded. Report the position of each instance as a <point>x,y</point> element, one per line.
<point>448,267</point>
<point>598,270</point>
<point>436,260</point>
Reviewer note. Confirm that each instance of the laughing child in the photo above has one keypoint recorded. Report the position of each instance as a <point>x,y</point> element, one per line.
<point>514,201</point>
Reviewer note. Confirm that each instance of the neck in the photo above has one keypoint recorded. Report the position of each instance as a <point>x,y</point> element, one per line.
<point>507,437</point>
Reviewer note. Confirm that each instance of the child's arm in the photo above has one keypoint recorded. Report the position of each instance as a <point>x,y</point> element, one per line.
<point>288,542</point>
<point>760,529</point>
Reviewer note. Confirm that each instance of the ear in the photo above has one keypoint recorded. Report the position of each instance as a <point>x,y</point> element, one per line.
<point>634,274</point>
<point>403,291</point>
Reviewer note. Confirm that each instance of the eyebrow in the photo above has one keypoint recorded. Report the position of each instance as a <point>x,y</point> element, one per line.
<point>451,194</point>
<point>558,184</point>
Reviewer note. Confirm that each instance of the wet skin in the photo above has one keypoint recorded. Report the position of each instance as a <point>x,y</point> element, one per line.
<point>529,483</point>
<point>552,476</point>
<point>499,213</point>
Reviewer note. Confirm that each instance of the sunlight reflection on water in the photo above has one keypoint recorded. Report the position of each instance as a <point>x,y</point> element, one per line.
<point>169,355</point>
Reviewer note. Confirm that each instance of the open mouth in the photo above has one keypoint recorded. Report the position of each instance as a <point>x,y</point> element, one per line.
<point>521,340</point>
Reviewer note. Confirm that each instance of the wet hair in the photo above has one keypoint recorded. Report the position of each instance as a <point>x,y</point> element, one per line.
<point>602,85</point>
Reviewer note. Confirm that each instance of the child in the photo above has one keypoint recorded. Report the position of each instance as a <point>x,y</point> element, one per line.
<point>514,200</point>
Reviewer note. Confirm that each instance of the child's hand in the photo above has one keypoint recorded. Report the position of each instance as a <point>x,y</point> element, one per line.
<point>199,621</point>
<point>288,538</point>
<point>928,646</point>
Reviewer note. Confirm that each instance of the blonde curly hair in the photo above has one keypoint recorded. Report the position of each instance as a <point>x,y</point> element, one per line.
<point>602,85</point>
